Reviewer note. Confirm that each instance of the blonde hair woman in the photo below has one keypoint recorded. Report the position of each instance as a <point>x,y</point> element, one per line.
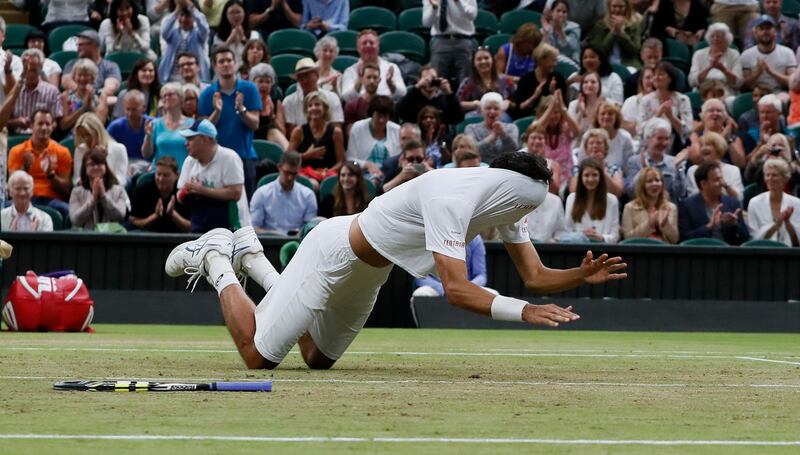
<point>773,214</point>
<point>651,214</point>
<point>82,98</point>
<point>90,132</point>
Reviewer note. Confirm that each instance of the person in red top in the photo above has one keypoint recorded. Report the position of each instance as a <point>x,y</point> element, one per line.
<point>48,162</point>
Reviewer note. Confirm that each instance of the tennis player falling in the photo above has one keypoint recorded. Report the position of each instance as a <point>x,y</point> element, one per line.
<point>327,291</point>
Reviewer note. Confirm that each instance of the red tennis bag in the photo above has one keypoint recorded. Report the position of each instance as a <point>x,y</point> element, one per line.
<point>45,304</point>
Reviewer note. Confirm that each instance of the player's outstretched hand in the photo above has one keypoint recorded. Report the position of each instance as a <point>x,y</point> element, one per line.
<point>550,315</point>
<point>602,269</point>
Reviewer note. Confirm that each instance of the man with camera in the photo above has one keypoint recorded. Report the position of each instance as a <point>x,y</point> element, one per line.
<point>430,90</point>
<point>412,164</point>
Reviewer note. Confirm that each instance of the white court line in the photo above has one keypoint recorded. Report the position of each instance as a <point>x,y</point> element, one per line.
<point>394,353</point>
<point>448,382</point>
<point>410,440</point>
<point>757,359</point>
<point>420,353</point>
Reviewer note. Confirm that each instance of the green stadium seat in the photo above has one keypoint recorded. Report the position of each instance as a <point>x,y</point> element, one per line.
<point>512,20</point>
<point>15,35</point>
<point>642,241</point>
<point>16,140</point>
<point>287,252</point>
<point>18,51</point>
<point>741,104</point>
<point>621,70</point>
<point>57,36</point>
<point>750,191</point>
<point>410,20</point>
<point>695,99</point>
<point>467,121</point>
<point>347,41</point>
<point>523,124</point>
<point>566,69</point>
<point>283,65</point>
<point>62,57</point>
<point>494,42</point>
<point>270,177</point>
<point>125,60</point>
<point>267,149</point>
<point>764,243</point>
<point>290,89</point>
<point>55,215</point>
<point>379,19</point>
<point>791,8</point>
<point>326,186</point>
<point>343,62</point>
<point>145,179</point>
<point>292,41</point>
<point>406,43</point>
<point>704,241</point>
<point>485,25</point>
<point>678,54</point>
<point>69,143</point>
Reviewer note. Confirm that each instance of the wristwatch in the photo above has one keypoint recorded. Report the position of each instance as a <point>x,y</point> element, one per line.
<point>242,111</point>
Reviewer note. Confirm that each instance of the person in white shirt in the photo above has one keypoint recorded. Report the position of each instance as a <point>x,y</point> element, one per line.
<point>391,84</point>
<point>767,62</point>
<point>376,138</point>
<point>713,148</point>
<point>591,210</point>
<point>21,215</point>
<point>307,75</point>
<point>546,223</point>
<point>325,294</point>
<point>10,63</point>
<point>212,181</point>
<point>452,27</point>
<point>773,214</point>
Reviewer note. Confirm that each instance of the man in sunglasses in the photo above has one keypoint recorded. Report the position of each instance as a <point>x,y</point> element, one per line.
<point>412,164</point>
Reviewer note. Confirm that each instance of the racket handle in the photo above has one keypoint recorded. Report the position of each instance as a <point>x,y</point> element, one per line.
<point>262,386</point>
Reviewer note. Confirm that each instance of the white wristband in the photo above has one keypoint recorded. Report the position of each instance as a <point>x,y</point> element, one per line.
<point>507,309</point>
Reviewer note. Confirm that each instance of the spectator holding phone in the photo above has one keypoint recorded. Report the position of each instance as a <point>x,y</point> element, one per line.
<point>412,165</point>
<point>430,90</point>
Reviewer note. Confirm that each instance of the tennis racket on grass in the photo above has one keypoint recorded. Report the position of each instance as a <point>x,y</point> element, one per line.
<point>146,386</point>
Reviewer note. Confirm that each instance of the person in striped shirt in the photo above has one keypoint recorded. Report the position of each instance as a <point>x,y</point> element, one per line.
<point>36,94</point>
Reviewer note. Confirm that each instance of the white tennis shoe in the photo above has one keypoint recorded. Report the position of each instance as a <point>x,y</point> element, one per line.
<point>245,241</point>
<point>187,258</point>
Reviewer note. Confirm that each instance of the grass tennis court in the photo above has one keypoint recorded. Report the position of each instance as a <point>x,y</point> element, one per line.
<point>410,391</point>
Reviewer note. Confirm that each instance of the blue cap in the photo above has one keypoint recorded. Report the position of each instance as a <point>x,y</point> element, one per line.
<point>203,127</point>
<point>765,19</point>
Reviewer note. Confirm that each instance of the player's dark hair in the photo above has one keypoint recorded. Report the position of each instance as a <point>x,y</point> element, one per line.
<point>526,164</point>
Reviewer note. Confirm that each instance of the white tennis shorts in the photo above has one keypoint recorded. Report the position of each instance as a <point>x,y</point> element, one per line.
<point>325,290</point>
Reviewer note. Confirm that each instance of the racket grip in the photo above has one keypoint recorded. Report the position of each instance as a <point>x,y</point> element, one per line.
<point>261,386</point>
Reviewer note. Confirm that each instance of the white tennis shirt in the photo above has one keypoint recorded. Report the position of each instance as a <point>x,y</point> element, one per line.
<point>443,210</point>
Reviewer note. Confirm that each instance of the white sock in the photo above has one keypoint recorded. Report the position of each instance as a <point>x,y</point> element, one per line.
<point>259,268</point>
<point>219,271</point>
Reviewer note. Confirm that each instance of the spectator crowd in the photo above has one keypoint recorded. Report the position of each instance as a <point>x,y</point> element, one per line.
<point>662,120</point>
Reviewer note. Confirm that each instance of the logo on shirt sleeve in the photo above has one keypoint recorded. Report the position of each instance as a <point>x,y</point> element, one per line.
<point>454,243</point>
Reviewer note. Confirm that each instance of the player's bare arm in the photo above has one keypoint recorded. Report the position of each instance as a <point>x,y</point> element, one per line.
<point>543,280</point>
<point>464,294</point>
